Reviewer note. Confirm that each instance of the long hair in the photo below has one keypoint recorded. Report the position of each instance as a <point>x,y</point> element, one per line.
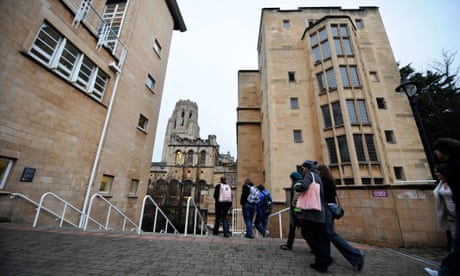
<point>448,146</point>
<point>325,173</point>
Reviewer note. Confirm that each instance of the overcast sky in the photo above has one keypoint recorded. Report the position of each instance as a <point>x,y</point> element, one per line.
<point>221,39</point>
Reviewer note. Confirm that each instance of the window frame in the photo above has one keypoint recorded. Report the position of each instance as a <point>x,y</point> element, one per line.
<point>297,135</point>
<point>107,184</point>
<point>5,171</point>
<point>133,187</point>
<point>142,123</point>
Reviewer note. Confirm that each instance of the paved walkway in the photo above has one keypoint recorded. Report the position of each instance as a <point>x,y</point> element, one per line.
<point>44,251</point>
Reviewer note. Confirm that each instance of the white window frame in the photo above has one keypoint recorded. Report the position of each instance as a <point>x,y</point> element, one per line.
<point>150,83</point>
<point>4,174</point>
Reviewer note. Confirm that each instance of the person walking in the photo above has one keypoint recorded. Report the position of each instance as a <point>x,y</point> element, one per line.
<point>314,229</point>
<point>293,221</point>
<point>444,204</point>
<point>448,150</point>
<point>262,216</point>
<point>249,199</point>
<point>223,203</point>
<point>353,255</point>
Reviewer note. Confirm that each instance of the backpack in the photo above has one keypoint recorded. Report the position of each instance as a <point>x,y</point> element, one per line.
<point>267,204</point>
<point>225,194</point>
<point>253,195</point>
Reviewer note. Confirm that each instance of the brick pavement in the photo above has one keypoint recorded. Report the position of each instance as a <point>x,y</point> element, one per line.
<point>49,251</point>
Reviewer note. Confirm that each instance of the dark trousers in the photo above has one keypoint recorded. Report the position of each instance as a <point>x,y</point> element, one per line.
<point>221,216</point>
<point>315,233</point>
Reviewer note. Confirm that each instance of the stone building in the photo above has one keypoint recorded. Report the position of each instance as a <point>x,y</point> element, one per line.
<point>325,90</point>
<point>81,88</point>
<point>190,165</point>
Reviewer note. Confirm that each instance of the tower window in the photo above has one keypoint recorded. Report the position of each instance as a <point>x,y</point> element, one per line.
<point>294,103</point>
<point>390,136</point>
<point>286,24</point>
<point>291,76</point>
<point>399,174</point>
<point>381,104</point>
<point>142,122</point>
<point>297,136</point>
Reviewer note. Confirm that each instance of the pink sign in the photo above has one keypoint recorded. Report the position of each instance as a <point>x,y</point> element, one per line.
<point>379,193</point>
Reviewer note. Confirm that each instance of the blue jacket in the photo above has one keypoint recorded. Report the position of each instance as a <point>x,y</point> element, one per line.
<point>262,195</point>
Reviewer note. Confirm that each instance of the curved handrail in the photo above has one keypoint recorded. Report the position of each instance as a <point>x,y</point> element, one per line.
<point>61,217</point>
<point>88,217</point>
<point>197,213</point>
<point>141,218</point>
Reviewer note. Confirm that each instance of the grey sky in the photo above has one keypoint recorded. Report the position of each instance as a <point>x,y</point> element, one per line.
<point>221,38</point>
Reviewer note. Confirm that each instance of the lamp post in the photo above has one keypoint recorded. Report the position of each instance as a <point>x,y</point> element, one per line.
<point>410,89</point>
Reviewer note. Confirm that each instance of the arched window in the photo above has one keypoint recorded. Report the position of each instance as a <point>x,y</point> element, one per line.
<point>190,157</point>
<point>178,158</point>
<point>203,157</point>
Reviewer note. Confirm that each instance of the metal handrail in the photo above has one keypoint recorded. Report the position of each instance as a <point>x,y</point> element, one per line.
<point>88,216</point>
<point>64,210</point>
<point>157,209</point>
<point>197,213</point>
<point>279,213</point>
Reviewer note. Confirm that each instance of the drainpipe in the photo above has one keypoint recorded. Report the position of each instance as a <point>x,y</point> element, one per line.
<point>84,215</point>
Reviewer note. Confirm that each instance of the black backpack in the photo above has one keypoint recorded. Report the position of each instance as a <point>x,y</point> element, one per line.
<point>267,205</point>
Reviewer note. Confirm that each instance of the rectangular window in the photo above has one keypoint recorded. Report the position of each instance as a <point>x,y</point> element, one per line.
<point>322,34</point>
<point>142,122</point>
<point>354,77</point>
<point>133,187</point>
<point>363,112</point>
<point>291,76</point>
<point>359,147</point>
<point>150,83</point>
<point>337,112</point>
<point>338,47</point>
<point>332,151</point>
<point>286,24</point>
<point>5,167</point>
<point>316,54</point>
<point>343,149</point>
<point>294,103</point>
<point>359,23</point>
<point>326,116</point>
<point>325,49</point>
<point>335,30</point>
<point>373,76</point>
<point>314,39</point>
<point>330,75</point>
<point>157,47</point>
<point>351,112</point>
<point>347,47</point>
<point>58,54</point>
<point>371,147</point>
<point>297,136</point>
<point>381,104</point>
<point>321,82</point>
<point>343,30</point>
<point>390,136</point>
<point>399,175</point>
<point>106,184</point>
<point>344,75</point>
<point>113,15</point>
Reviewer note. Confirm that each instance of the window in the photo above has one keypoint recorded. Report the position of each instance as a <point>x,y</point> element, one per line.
<point>190,157</point>
<point>332,151</point>
<point>142,122</point>
<point>390,136</point>
<point>286,24</point>
<point>359,23</point>
<point>321,82</point>
<point>351,112</point>
<point>360,116</point>
<point>150,83</point>
<point>133,187</point>
<point>297,136</point>
<point>344,75</point>
<point>294,103</point>
<point>106,184</point>
<point>373,76</point>
<point>178,158</point>
<point>343,149</point>
<point>381,104</point>
<point>330,75</point>
<point>327,120</point>
<point>398,173</point>
<point>55,52</point>
<point>337,112</point>
<point>203,157</point>
<point>5,167</point>
<point>156,47</point>
<point>342,44</point>
<point>359,147</point>
<point>371,147</point>
<point>113,15</point>
<point>362,112</point>
<point>291,76</point>
<point>344,72</point>
<point>325,49</point>
<point>354,76</point>
<point>366,181</point>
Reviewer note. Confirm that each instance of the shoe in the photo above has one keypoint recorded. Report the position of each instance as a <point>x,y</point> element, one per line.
<point>267,234</point>
<point>249,237</point>
<point>360,264</point>
<point>226,235</point>
<point>285,247</point>
<point>431,271</point>
<point>318,267</point>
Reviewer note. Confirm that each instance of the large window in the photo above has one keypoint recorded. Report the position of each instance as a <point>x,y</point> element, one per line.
<point>113,16</point>
<point>320,46</point>
<point>341,38</point>
<point>190,157</point>
<point>327,120</point>
<point>343,149</point>
<point>349,76</point>
<point>331,81</point>
<point>361,146</point>
<point>357,112</point>
<point>332,151</point>
<point>55,52</point>
<point>5,167</point>
<point>337,112</point>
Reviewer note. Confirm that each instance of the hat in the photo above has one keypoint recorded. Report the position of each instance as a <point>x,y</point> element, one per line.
<point>295,176</point>
<point>310,164</point>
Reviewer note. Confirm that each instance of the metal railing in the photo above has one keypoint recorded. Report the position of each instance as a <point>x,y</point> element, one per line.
<point>155,217</point>
<point>195,218</point>
<point>239,226</point>
<point>280,221</point>
<point>61,216</point>
<point>109,211</point>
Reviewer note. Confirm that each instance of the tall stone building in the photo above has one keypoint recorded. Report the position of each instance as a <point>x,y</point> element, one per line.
<point>325,90</point>
<point>190,166</point>
<point>81,89</point>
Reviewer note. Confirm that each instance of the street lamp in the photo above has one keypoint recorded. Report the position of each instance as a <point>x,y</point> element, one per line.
<point>410,89</point>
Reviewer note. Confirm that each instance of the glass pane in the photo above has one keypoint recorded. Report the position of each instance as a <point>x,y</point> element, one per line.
<point>322,34</point>
<point>335,30</point>
<point>359,147</point>
<point>326,116</point>
<point>325,49</point>
<point>321,83</point>
<point>45,43</point>
<point>344,75</point>
<point>314,39</point>
<point>338,47</point>
<point>354,76</point>
<point>87,69</point>
<point>363,112</point>
<point>332,151</point>
<point>343,30</point>
<point>338,119</point>
<point>316,54</point>
<point>371,147</point>
<point>331,78</point>
<point>352,112</point>
<point>68,58</point>
<point>343,149</point>
<point>100,84</point>
<point>347,47</point>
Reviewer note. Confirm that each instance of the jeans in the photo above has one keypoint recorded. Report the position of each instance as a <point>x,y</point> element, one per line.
<point>351,254</point>
<point>221,216</point>
<point>248,215</point>
<point>261,223</point>
<point>456,236</point>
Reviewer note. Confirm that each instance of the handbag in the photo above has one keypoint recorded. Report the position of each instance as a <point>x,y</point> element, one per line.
<point>310,199</point>
<point>336,211</point>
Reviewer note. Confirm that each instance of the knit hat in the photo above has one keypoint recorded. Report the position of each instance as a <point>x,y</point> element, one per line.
<point>295,176</point>
<point>310,164</point>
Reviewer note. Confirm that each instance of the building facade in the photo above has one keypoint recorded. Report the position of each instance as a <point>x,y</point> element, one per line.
<point>325,90</point>
<point>81,90</point>
<point>190,166</point>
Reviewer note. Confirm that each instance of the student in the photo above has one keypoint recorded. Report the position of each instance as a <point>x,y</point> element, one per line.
<point>223,202</point>
<point>261,215</point>
<point>248,201</point>
<point>293,222</point>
